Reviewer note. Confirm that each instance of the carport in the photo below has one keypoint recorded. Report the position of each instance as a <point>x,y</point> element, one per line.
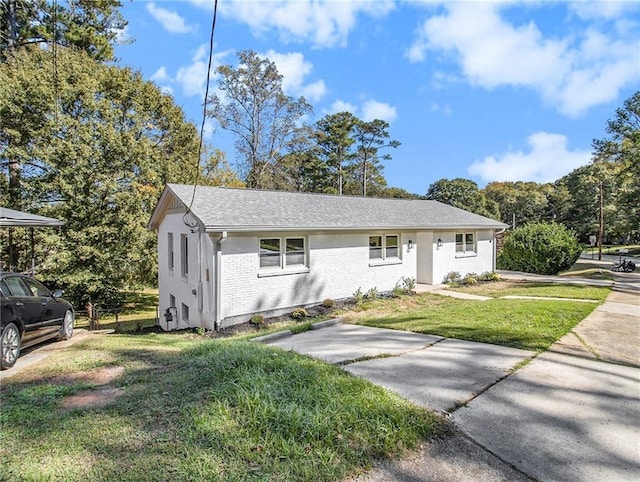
<point>10,218</point>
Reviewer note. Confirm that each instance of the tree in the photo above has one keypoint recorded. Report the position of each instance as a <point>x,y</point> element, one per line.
<point>622,148</point>
<point>96,154</point>
<point>463,194</point>
<point>542,248</point>
<point>369,138</point>
<point>334,138</point>
<point>253,106</point>
<point>584,186</point>
<point>90,25</point>
<point>520,202</point>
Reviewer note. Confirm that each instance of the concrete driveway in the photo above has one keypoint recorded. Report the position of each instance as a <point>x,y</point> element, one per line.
<point>431,371</point>
<point>560,417</point>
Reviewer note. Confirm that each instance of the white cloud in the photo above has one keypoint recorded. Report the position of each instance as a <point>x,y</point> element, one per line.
<point>373,109</point>
<point>572,74</point>
<point>341,106</point>
<point>548,159</point>
<point>169,19</point>
<point>294,70</point>
<point>192,77</point>
<point>588,9</point>
<point>441,108</point>
<point>325,23</point>
<point>161,75</point>
<point>369,110</point>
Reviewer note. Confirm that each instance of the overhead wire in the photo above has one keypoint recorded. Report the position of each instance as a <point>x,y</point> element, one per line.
<point>193,225</point>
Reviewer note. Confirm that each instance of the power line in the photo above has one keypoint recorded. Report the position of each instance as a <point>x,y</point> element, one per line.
<point>204,115</point>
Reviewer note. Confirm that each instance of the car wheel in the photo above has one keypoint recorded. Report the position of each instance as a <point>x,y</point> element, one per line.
<point>9,346</point>
<point>66,330</point>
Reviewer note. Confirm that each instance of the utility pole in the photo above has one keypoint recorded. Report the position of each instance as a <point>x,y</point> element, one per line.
<point>601,224</point>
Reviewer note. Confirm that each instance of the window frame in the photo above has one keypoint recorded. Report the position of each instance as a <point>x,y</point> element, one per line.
<point>171,252</point>
<point>284,253</point>
<point>462,245</point>
<point>384,249</point>
<point>184,255</point>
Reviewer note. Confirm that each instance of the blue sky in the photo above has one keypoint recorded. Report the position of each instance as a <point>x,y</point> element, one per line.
<point>489,91</point>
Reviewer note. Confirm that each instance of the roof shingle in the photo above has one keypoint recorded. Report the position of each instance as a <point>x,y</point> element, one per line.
<point>246,209</point>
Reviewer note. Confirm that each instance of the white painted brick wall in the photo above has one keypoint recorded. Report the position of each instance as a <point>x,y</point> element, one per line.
<point>445,258</point>
<point>338,265</point>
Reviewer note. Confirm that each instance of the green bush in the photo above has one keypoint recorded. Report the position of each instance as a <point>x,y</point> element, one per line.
<point>372,294</point>
<point>542,248</point>
<point>328,303</point>
<point>257,320</point>
<point>489,276</point>
<point>299,313</point>
<point>452,277</point>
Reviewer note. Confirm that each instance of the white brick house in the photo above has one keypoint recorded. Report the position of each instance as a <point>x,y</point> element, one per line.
<point>238,252</point>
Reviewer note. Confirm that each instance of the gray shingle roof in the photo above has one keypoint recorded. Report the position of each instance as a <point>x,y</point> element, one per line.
<point>245,210</point>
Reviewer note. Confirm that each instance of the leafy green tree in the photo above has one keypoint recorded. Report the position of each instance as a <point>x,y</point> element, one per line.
<point>542,248</point>
<point>526,202</point>
<point>622,148</point>
<point>463,194</point>
<point>583,212</point>
<point>253,106</point>
<point>96,152</point>
<point>301,168</point>
<point>90,25</point>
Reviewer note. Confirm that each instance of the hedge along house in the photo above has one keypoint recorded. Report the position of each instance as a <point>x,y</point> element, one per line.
<point>238,252</point>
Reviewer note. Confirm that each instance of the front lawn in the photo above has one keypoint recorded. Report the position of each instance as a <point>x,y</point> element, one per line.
<point>531,288</point>
<point>195,408</point>
<point>526,324</point>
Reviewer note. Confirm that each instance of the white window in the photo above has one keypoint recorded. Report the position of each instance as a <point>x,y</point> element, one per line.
<point>270,253</point>
<point>384,247</point>
<point>282,253</point>
<point>185,313</point>
<point>172,300</point>
<point>465,243</point>
<point>170,250</point>
<point>184,255</point>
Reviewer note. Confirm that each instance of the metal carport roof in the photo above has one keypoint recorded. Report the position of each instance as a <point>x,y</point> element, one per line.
<point>11,217</point>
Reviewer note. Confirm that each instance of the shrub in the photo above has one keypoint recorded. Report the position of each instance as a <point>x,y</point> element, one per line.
<point>299,314</point>
<point>397,291</point>
<point>372,294</point>
<point>452,277</point>
<point>470,279</point>
<point>328,303</point>
<point>358,296</point>
<point>489,276</point>
<point>257,320</point>
<point>542,248</point>
<point>408,283</point>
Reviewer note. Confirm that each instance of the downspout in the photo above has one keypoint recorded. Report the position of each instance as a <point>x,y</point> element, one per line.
<point>495,247</point>
<point>217,281</point>
<point>199,285</point>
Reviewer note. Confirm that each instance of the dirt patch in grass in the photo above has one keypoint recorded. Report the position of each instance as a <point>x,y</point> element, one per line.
<point>98,397</point>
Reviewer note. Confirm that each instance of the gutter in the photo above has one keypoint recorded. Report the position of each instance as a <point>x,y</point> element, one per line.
<point>217,281</point>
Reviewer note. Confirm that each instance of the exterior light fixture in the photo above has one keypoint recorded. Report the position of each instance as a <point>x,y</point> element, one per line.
<point>409,245</point>
<point>439,243</point>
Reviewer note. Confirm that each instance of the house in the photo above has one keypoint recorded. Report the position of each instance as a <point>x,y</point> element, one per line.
<point>225,254</point>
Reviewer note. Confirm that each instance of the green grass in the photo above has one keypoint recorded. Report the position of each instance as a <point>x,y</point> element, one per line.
<point>530,288</point>
<point>634,249</point>
<point>194,408</point>
<point>526,324</point>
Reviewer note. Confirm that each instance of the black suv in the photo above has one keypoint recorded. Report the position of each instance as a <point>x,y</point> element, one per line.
<point>30,314</point>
